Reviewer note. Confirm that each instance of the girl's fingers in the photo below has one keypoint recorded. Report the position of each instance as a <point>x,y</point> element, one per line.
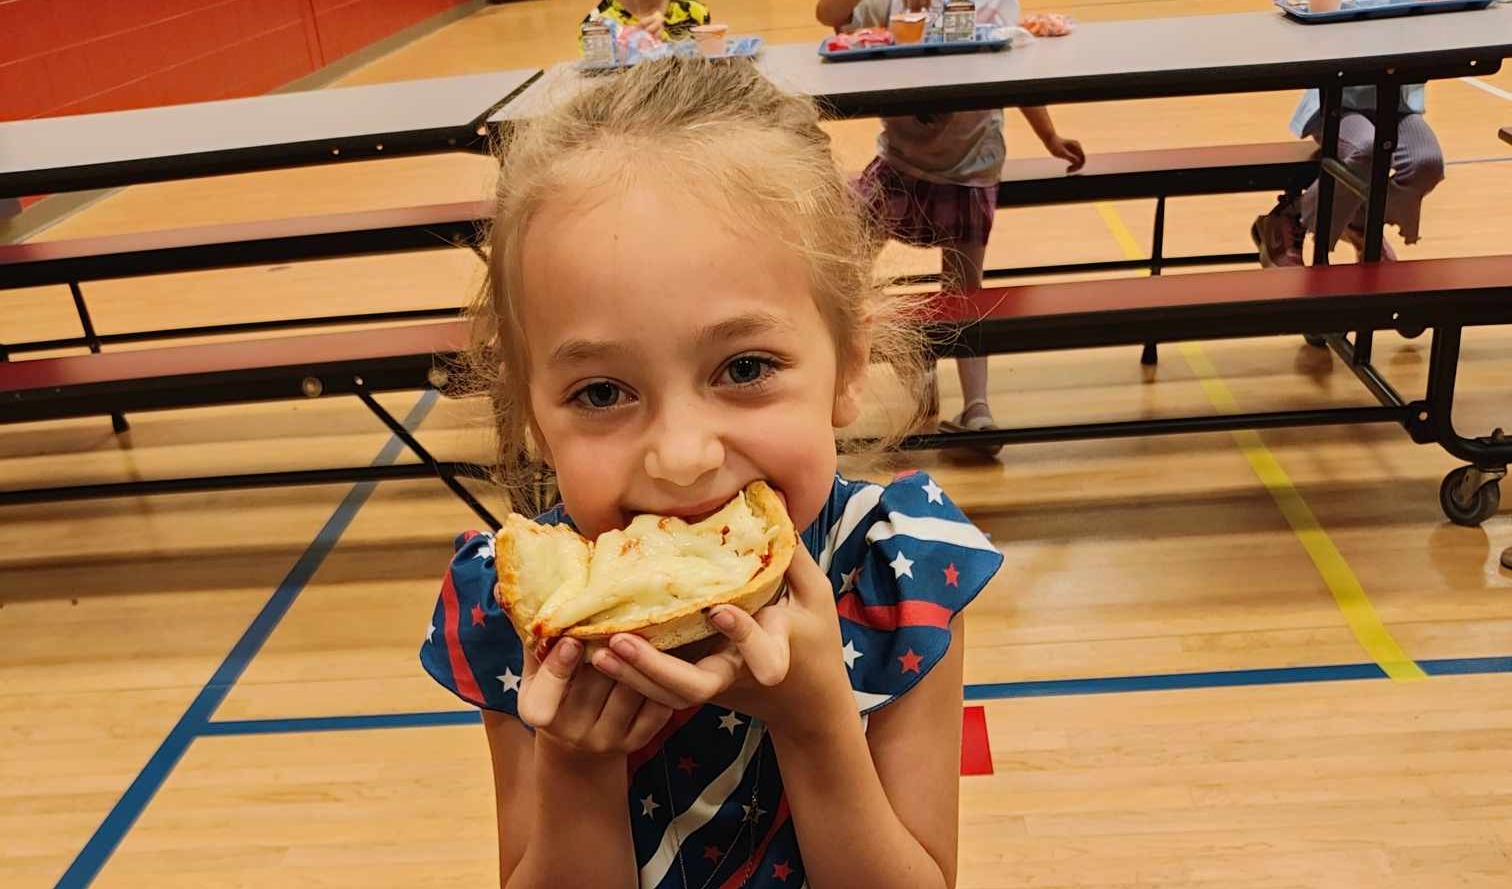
<point>585,700</point>
<point>619,712</point>
<point>685,680</point>
<point>648,722</point>
<point>764,654</point>
<point>542,696</point>
<point>616,668</point>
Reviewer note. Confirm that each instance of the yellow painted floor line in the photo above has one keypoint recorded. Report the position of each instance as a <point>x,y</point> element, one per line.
<point>1348,593</point>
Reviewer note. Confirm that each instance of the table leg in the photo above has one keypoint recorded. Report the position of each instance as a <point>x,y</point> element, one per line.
<point>1386,122</point>
<point>1330,112</point>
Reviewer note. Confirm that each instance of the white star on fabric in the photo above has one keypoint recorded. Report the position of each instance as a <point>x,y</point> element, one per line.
<point>429,632</point>
<point>729,721</point>
<point>850,654</point>
<point>753,813</point>
<point>509,680</point>
<point>933,492</point>
<point>848,580</point>
<point>902,566</point>
<point>649,805</point>
<point>486,551</point>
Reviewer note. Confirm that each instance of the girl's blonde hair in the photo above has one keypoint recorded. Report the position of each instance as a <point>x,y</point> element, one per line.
<point>724,134</point>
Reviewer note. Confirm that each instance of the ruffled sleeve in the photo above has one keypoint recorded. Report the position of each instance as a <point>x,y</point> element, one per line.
<point>470,646</point>
<point>904,561</point>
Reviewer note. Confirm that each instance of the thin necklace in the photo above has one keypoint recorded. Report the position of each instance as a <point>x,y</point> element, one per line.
<point>747,825</point>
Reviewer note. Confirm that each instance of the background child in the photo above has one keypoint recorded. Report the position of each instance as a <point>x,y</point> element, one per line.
<point>776,757</point>
<point>671,20</point>
<point>935,180</point>
<point>1417,167</point>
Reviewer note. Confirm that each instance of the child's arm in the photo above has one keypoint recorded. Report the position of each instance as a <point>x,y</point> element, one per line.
<point>881,808</point>
<point>563,790</point>
<point>1068,150</point>
<point>839,13</point>
<point>835,13</point>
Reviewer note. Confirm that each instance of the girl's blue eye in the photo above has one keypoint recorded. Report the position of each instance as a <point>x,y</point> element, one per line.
<point>746,369</point>
<point>599,395</point>
<point>749,369</point>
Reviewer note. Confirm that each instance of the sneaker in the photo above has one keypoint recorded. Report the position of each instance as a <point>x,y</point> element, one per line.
<point>977,417</point>
<point>1278,236</point>
<point>1356,238</point>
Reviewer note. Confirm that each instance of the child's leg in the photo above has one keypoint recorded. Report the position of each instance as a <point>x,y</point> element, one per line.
<point>1356,141</point>
<point>962,273</point>
<point>1417,168</point>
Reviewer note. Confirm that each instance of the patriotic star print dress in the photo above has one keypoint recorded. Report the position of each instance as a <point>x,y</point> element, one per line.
<point>707,808</point>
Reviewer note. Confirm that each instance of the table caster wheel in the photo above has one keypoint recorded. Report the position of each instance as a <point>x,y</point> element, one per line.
<point>1469,507</point>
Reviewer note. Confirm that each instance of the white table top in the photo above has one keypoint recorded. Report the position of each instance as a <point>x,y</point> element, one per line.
<point>121,147</point>
<point>1142,58</point>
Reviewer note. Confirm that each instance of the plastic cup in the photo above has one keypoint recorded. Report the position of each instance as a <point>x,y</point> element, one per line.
<point>908,27</point>
<point>710,39</point>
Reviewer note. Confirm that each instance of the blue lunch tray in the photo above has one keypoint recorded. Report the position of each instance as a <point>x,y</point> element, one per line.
<point>1358,10</point>
<point>735,48</point>
<point>931,45</point>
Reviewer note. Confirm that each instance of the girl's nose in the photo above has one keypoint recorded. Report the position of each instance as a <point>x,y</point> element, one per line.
<point>684,446</point>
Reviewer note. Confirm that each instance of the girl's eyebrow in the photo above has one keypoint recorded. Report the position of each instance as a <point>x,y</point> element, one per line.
<point>578,351</point>
<point>744,325</point>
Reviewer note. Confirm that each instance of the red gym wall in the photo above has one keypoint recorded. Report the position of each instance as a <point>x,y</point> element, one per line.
<point>79,56</point>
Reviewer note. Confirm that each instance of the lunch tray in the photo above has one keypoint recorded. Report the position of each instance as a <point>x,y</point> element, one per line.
<point>931,45</point>
<point>747,47</point>
<point>1357,10</point>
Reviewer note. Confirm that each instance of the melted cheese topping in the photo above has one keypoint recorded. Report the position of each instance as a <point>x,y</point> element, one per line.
<point>654,566</point>
<point>550,559</point>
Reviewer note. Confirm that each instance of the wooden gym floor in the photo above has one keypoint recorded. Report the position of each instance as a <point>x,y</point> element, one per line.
<point>1268,573</point>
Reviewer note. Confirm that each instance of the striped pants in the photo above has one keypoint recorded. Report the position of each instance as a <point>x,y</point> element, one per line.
<point>1417,167</point>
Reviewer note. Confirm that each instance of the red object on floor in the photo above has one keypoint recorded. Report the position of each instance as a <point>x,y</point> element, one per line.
<point>976,753</point>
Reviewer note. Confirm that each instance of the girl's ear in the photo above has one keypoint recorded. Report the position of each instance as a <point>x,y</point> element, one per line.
<point>850,383</point>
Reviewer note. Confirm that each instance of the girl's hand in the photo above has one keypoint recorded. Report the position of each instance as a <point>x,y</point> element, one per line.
<point>1068,150</point>
<point>753,669</point>
<point>652,23</point>
<point>583,710</point>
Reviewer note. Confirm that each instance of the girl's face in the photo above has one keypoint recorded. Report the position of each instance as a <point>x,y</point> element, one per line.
<point>673,362</point>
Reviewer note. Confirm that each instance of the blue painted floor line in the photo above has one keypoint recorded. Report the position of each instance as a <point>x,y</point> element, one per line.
<point>107,837</point>
<point>992,691</point>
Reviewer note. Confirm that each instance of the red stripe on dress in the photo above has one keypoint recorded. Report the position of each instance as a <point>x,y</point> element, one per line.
<point>640,757</point>
<point>462,673</point>
<point>907,613</point>
<point>746,870</point>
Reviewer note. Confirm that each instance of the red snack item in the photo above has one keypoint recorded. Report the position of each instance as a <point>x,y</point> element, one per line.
<point>862,38</point>
<point>1047,24</point>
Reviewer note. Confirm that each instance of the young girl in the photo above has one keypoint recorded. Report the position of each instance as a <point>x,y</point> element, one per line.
<point>670,20</point>
<point>1417,167</point>
<point>818,742</point>
<point>935,180</point>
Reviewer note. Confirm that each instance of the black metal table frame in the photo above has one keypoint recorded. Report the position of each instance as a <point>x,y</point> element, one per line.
<point>264,251</point>
<point>358,378</point>
<point>1468,495</point>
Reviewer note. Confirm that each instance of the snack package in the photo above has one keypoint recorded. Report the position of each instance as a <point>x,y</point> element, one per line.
<point>1047,24</point>
<point>637,45</point>
<point>862,38</point>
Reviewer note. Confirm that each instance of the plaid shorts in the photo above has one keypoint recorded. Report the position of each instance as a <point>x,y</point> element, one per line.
<point>927,214</point>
